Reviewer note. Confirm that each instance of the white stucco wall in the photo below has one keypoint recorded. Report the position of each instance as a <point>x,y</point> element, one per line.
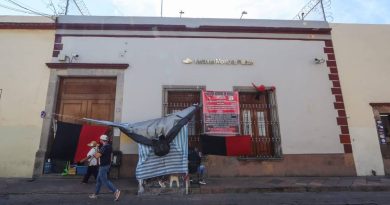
<point>23,80</point>
<point>305,103</point>
<point>362,54</point>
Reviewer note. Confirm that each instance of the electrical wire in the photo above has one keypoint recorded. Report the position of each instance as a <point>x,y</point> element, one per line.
<point>14,9</point>
<point>31,11</point>
<point>21,5</point>
<point>81,5</point>
<point>49,4</point>
<point>81,12</point>
<point>27,6</point>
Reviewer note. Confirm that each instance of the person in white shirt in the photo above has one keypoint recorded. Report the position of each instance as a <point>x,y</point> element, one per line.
<point>93,165</point>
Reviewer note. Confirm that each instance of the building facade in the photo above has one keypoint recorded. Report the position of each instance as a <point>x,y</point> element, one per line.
<point>317,117</point>
<point>159,65</point>
<point>362,61</point>
<point>26,45</point>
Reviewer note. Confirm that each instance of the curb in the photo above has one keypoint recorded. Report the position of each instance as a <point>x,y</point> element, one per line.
<point>221,190</point>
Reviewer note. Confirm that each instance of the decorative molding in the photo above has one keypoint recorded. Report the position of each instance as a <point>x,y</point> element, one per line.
<point>379,104</point>
<point>88,65</point>
<point>339,106</point>
<point>204,28</point>
<point>15,25</point>
<point>185,36</point>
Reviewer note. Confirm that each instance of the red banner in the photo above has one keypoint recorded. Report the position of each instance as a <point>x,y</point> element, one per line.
<point>221,113</point>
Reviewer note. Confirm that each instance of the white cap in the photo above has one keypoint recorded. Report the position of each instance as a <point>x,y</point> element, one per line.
<point>104,137</point>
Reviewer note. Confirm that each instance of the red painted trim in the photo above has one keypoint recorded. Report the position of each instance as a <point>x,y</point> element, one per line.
<point>58,46</point>
<point>344,129</point>
<point>204,28</point>
<point>333,70</point>
<point>336,83</point>
<point>328,43</point>
<point>333,77</point>
<point>15,25</point>
<point>347,148</point>
<point>331,56</point>
<point>339,98</point>
<point>338,105</point>
<point>336,91</point>
<point>328,50</point>
<point>244,29</point>
<point>345,139</point>
<point>331,63</point>
<point>342,113</point>
<point>134,27</point>
<point>174,36</point>
<point>380,104</point>
<point>342,121</point>
<point>57,39</point>
<point>88,65</point>
<point>56,53</point>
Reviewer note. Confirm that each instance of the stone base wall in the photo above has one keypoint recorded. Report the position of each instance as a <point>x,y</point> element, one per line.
<point>290,165</point>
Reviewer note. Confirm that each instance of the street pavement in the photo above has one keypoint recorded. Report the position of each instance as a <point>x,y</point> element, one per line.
<point>231,191</point>
<point>277,198</point>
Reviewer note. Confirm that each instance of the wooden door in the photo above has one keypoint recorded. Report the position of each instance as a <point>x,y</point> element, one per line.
<point>86,97</point>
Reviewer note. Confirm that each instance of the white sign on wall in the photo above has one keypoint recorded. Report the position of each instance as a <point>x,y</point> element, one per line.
<point>218,61</point>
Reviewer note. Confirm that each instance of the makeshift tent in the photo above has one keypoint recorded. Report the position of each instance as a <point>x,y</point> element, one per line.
<point>176,161</point>
<point>157,133</point>
<point>146,131</point>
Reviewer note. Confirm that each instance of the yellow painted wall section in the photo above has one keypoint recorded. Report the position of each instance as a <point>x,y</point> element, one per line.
<point>362,55</point>
<point>23,82</point>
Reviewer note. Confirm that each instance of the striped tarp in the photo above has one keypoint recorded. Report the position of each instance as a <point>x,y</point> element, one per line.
<point>176,161</point>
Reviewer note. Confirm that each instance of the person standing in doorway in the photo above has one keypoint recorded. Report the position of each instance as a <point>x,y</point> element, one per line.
<point>104,154</point>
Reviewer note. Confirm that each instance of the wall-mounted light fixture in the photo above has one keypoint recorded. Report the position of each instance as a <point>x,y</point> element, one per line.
<point>319,60</point>
<point>68,59</point>
<point>74,57</point>
<point>243,13</point>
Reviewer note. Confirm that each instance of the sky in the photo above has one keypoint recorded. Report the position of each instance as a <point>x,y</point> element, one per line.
<point>337,11</point>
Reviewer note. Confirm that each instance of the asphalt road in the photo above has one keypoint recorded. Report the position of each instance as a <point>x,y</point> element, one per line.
<point>304,198</point>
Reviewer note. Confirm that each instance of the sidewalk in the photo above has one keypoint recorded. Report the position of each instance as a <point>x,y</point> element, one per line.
<point>66,185</point>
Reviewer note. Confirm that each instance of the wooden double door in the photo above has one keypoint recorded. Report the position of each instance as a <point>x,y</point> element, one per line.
<point>86,97</point>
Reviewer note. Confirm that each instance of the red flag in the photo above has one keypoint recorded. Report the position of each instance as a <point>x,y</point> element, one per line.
<point>226,145</point>
<point>88,133</point>
<point>239,145</point>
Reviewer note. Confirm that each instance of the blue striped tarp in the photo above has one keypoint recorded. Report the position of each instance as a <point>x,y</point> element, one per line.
<point>176,161</point>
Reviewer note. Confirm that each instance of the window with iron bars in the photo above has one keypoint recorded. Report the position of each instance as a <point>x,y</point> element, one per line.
<point>176,99</point>
<point>258,118</point>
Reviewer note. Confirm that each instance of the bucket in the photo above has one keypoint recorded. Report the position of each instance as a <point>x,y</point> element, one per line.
<point>47,168</point>
<point>81,170</point>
